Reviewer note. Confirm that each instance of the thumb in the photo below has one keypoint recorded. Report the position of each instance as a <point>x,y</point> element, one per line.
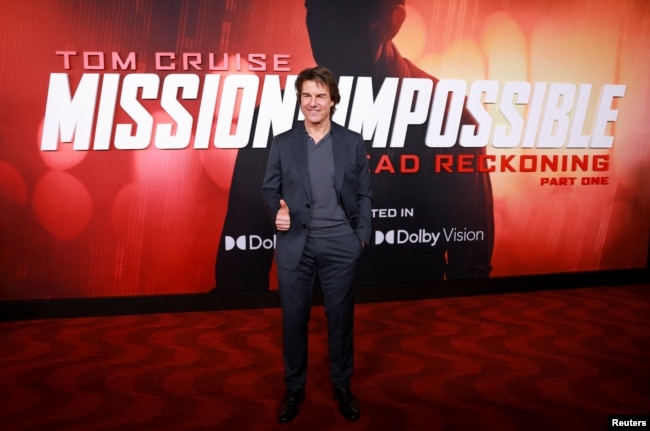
<point>283,206</point>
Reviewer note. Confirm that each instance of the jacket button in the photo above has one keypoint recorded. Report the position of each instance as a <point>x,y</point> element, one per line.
<point>308,206</point>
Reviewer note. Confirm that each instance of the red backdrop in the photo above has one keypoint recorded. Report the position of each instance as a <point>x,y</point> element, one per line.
<point>136,222</point>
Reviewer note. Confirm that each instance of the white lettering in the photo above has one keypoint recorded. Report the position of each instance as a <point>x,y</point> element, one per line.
<point>165,138</point>
<point>275,111</point>
<point>68,117</point>
<point>514,93</point>
<point>468,135</point>
<point>373,115</point>
<point>606,115</point>
<point>227,106</point>
<point>242,89</point>
<point>412,88</point>
<point>124,139</point>
<point>444,122</point>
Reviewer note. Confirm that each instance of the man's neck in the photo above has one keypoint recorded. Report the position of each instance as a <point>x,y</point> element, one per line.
<point>318,130</point>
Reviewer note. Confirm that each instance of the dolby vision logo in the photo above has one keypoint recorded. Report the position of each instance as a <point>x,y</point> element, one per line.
<point>231,242</point>
<point>248,242</point>
<point>401,236</point>
<point>388,237</point>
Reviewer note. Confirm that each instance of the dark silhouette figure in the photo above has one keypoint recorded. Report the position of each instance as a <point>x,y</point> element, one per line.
<point>354,38</point>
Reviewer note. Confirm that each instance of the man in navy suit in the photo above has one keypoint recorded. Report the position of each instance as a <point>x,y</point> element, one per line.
<point>317,190</point>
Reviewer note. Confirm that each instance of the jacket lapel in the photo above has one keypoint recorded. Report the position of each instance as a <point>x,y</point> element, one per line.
<point>300,155</point>
<point>339,150</point>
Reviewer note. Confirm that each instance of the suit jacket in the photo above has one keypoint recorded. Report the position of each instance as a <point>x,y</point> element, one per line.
<point>287,177</point>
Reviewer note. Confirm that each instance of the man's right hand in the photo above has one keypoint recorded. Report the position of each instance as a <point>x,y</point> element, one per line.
<point>282,218</point>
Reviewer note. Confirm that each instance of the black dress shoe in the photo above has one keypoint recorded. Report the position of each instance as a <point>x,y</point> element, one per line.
<point>348,406</point>
<point>288,409</point>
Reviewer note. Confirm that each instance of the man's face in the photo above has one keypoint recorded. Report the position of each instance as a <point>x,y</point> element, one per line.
<point>315,102</point>
<point>344,38</point>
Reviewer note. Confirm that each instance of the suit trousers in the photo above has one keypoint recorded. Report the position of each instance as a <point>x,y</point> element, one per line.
<point>335,261</point>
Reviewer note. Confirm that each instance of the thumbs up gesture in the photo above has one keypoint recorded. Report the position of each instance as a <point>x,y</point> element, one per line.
<point>282,218</point>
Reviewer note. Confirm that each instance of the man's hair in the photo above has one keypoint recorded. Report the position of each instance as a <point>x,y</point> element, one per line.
<point>323,76</point>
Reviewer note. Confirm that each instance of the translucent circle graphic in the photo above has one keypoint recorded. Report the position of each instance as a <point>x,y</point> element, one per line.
<point>12,185</point>
<point>65,157</point>
<point>62,204</point>
<point>411,39</point>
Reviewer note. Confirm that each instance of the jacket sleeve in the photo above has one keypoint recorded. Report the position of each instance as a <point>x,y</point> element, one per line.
<point>272,183</point>
<point>364,193</point>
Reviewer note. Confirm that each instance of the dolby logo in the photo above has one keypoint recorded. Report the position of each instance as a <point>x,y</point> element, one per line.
<point>249,242</point>
<point>401,236</point>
